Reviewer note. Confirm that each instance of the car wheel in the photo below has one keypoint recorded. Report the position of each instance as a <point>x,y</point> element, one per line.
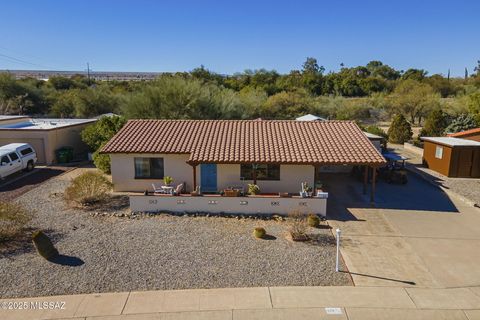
<point>30,166</point>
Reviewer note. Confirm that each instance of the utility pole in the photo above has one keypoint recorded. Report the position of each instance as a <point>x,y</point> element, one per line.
<point>88,73</point>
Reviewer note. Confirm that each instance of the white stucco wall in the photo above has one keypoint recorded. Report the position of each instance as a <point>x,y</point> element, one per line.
<point>175,166</point>
<point>123,174</point>
<point>231,205</point>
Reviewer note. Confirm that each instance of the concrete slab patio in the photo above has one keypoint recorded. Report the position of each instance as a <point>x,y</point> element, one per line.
<point>416,235</point>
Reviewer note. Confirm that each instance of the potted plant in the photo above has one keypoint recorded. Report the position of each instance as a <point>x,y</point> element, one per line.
<point>253,189</point>
<point>167,180</point>
<point>306,190</point>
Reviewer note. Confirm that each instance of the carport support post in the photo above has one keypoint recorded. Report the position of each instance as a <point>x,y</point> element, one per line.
<point>372,193</point>
<point>194,177</point>
<point>337,267</point>
<point>365,180</point>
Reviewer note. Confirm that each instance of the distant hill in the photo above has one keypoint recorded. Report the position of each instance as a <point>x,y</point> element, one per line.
<point>96,75</point>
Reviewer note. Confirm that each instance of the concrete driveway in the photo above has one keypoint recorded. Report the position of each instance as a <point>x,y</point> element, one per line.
<point>416,235</point>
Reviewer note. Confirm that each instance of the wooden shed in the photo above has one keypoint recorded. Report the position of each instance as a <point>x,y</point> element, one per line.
<point>452,157</point>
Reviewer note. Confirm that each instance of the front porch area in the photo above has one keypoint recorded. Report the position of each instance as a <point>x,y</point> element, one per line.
<point>261,204</point>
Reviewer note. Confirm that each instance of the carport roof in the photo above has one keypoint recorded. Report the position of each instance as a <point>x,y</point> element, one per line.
<point>249,141</point>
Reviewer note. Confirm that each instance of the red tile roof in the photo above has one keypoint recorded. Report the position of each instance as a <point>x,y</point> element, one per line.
<point>249,141</point>
<point>465,133</point>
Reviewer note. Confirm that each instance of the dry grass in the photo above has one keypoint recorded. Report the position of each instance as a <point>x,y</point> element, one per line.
<point>88,189</point>
<point>13,219</point>
<point>297,225</point>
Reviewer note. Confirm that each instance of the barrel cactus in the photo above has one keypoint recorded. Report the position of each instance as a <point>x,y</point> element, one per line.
<point>44,245</point>
<point>259,232</point>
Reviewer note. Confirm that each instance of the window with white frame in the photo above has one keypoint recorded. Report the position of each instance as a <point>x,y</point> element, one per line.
<point>439,152</point>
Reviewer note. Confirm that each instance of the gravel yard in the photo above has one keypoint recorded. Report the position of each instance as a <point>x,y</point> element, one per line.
<point>104,254</point>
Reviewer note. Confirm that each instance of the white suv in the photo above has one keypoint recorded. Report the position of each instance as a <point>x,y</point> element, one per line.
<point>15,157</point>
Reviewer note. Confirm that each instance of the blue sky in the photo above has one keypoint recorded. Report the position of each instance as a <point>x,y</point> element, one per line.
<point>231,36</point>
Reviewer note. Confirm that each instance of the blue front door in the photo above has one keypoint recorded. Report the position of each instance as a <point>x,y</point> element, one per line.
<point>208,177</point>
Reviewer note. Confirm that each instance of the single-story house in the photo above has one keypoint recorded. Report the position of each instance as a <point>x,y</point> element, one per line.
<point>216,154</point>
<point>45,135</point>
<point>472,134</point>
<point>277,155</point>
<point>452,157</point>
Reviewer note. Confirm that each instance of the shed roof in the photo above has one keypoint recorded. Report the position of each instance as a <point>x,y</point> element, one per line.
<point>451,142</point>
<point>249,141</point>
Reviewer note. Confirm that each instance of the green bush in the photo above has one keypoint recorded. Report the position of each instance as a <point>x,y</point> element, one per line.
<point>13,219</point>
<point>87,189</point>
<point>313,220</point>
<point>44,245</point>
<point>259,232</point>
<point>102,162</point>
<point>435,124</point>
<point>400,130</point>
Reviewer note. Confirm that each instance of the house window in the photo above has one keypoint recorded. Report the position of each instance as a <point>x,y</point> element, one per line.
<point>439,152</point>
<point>148,168</point>
<point>263,171</point>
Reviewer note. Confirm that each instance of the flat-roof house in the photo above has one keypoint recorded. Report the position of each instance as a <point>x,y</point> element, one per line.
<point>472,134</point>
<point>452,157</point>
<point>277,155</point>
<point>45,135</point>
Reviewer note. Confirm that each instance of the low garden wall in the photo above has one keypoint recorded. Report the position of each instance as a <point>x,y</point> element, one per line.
<point>230,205</point>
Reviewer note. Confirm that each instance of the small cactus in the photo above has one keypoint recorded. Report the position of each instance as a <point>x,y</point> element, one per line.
<point>259,232</point>
<point>313,220</point>
<point>44,245</point>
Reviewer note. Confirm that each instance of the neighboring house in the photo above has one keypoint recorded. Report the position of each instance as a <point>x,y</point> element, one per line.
<point>277,155</point>
<point>310,117</point>
<point>375,139</point>
<point>452,157</point>
<point>472,134</point>
<point>45,135</point>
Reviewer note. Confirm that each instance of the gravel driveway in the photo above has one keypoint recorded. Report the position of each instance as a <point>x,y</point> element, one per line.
<point>104,254</point>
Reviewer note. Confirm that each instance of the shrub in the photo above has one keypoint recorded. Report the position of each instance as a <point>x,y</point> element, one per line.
<point>313,220</point>
<point>253,189</point>
<point>102,161</point>
<point>87,189</point>
<point>13,219</point>
<point>44,245</point>
<point>298,225</point>
<point>435,124</point>
<point>400,130</point>
<point>462,123</point>
<point>259,232</point>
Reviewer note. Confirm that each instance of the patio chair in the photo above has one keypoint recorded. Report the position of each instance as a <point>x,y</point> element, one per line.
<point>157,188</point>
<point>178,189</point>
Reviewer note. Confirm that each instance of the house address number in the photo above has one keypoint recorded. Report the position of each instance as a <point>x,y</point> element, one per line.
<point>152,201</point>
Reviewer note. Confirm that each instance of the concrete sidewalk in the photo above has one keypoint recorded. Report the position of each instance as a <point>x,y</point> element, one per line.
<point>259,303</point>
